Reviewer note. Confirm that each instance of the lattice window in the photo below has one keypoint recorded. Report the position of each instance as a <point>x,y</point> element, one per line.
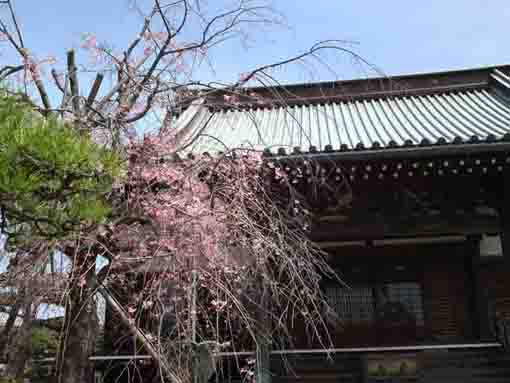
<point>410,295</point>
<point>353,305</point>
<point>358,304</point>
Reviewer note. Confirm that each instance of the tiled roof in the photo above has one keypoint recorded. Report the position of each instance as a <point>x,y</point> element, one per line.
<point>452,115</point>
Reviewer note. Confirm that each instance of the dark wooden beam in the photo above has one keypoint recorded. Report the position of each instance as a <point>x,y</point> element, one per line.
<point>413,152</point>
<point>505,216</point>
<point>379,228</point>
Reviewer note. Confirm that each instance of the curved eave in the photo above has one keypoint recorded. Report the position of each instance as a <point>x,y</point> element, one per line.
<point>435,122</point>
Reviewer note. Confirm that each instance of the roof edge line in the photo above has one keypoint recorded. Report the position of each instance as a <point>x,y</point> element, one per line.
<point>396,153</point>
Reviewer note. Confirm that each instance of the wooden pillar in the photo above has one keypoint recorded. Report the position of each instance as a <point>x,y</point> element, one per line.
<point>505,233</point>
<point>474,309</point>
<point>479,303</point>
<point>263,342</point>
<point>263,361</point>
<point>504,211</point>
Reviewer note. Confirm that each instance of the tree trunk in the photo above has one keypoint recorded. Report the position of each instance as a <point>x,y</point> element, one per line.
<point>9,324</point>
<point>80,329</point>
<point>139,334</point>
<point>20,350</point>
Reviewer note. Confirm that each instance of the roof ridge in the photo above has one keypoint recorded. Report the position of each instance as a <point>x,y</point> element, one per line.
<point>346,98</point>
<point>407,76</point>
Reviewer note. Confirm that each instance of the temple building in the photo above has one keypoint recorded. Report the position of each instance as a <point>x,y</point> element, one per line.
<point>409,180</point>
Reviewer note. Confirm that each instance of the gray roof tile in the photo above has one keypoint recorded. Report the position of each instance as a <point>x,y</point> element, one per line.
<point>424,118</point>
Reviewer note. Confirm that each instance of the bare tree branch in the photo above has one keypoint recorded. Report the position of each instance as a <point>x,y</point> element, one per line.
<point>15,22</point>
<point>73,81</point>
<point>95,89</point>
<point>56,78</point>
<point>8,70</point>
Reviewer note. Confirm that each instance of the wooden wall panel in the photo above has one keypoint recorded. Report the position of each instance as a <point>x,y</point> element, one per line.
<point>445,273</point>
<point>345,368</point>
<point>495,283</point>
<point>446,294</point>
<point>455,366</point>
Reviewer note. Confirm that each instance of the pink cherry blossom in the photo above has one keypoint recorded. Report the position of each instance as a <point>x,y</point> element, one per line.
<point>231,98</point>
<point>244,76</point>
<point>218,305</point>
<point>51,60</point>
<point>181,67</point>
<point>159,36</point>
<point>148,51</point>
<point>32,67</point>
<point>89,41</point>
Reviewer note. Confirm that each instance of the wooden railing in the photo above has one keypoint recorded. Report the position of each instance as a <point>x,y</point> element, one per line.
<point>447,363</point>
<point>477,363</point>
<point>465,367</point>
<point>503,332</point>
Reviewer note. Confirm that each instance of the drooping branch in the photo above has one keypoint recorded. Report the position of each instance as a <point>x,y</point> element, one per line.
<point>216,211</point>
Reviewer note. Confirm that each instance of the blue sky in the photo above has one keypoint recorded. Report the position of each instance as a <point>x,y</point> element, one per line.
<point>397,36</point>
